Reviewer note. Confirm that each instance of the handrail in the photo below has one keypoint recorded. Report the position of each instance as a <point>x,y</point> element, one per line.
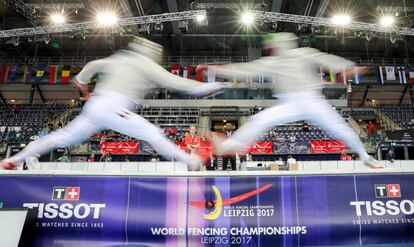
<point>192,60</point>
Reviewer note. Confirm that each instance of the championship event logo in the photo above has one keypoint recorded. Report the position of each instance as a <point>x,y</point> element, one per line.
<point>216,207</point>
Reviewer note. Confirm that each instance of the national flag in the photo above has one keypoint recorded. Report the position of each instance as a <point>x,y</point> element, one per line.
<point>321,74</point>
<point>27,74</point>
<point>200,72</point>
<point>211,73</point>
<point>401,75</point>
<point>390,73</point>
<point>65,74</point>
<point>379,75</point>
<point>53,69</point>
<point>13,72</point>
<point>187,71</point>
<point>411,74</point>
<point>40,73</point>
<point>6,73</point>
<point>357,76</point>
<point>249,79</point>
<point>331,77</point>
<point>341,77</point>
<point>175,69</point>
<point>261,79</point>
<point>2,70</point>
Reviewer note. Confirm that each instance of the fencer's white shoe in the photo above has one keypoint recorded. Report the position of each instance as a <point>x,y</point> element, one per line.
<point>32,162</point>
<point>8,164</point>
<point>218,147</point>
<point>373,163</point>
<point>195,163</point>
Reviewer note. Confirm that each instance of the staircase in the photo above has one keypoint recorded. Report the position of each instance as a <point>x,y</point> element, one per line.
<point>385,121</point>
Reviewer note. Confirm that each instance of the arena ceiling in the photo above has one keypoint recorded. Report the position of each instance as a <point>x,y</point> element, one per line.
<point>222,36</point>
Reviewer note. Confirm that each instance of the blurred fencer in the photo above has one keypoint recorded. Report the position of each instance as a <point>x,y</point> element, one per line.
<point>127,75</point>
<point>292,71</point>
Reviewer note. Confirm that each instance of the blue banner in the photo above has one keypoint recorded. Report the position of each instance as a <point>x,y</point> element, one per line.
<point>223,211</point>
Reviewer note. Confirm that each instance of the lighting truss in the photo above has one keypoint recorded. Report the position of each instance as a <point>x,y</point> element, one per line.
<point>318,21</point>
<point>20,7</point>
<point>223,6</point>
<point>147,19</point>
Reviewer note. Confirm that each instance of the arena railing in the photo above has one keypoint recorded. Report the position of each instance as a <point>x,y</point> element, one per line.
<point>247,167</point>
<point>184,60</point>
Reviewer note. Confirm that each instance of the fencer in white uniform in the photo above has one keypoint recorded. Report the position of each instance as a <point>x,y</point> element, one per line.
<point>292,71</point>
<point>127,75</point>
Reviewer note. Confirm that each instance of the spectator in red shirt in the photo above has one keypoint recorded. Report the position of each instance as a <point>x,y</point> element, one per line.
<point>192,140</point>
<point>91,158</point>
<point>345,156</point>
<point>370,128</point>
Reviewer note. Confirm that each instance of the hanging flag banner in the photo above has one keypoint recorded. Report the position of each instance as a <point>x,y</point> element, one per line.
<point>411,75</point>
<point>187,71</point>
<point>378,74</point>
<point>313,210</point>
<point>390,73</point>
<point>175,69</point>
<point>401,75</point>
<point>119,147</point>
<point>211,73</point>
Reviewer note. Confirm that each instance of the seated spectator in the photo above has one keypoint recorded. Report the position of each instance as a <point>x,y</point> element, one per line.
<point>64,158</point>
<point>16,109</point>
<point>106,157</point>
<point>280,162</point>
<point>154,158</point>
<point>291,160</point>
<point>390,156</point>
<point>249,157</point>
<point>127,159</point>
<point>91,158</point>
<point>345,156</point>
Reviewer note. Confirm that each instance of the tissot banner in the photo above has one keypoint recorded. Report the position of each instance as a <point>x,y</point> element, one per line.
<point>223,211</point>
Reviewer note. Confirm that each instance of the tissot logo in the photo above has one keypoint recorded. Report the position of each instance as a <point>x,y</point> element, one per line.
<point>387,203</point>
<point>66,193</point>
<point>387,190</point>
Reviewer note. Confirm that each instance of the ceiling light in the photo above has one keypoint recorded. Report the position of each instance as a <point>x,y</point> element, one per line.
<point>200,18</point>
<point>57,18</point>
<point>341,20</point>
<point>106,18</point>
<point>247,18</point>
<point>387,21</point>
